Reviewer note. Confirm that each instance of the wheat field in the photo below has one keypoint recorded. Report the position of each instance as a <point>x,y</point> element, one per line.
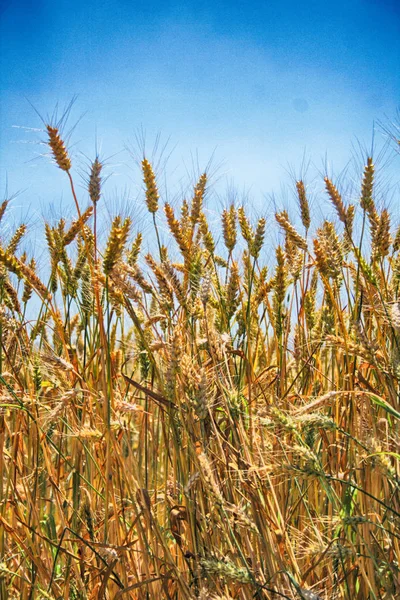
<point>194,423</point>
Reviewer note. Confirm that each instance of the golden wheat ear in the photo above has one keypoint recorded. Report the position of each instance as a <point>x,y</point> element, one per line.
<point>94,187</point>
<point>54,125</point>
<point>149,179</point>
<point>58,148</point>
<point>367,185</point>
<point>290,231</point>
<point>303,203</point>
<point>229,227</point>
<point>3,207</point>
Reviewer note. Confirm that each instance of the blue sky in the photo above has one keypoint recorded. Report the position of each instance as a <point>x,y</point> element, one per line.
<point>260,84</point>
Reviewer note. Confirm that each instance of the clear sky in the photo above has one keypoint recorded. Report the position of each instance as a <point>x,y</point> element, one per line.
<point>260,83</point>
